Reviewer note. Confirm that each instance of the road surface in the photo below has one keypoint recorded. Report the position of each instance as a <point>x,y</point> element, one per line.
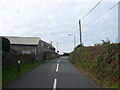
<point>57,73</point>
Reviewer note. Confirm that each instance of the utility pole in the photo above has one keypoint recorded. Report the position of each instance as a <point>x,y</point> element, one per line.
<point>57,46</point>
<point>80,32</point>
<point>74,42</point>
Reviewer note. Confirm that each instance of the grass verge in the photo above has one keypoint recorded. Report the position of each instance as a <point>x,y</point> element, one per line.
<point>12,73</point>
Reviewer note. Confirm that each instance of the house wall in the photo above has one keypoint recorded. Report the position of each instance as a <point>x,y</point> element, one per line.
<point>29,49</point>
<point>42,51</point>
<point>51,55</point>
<point>39,52</point>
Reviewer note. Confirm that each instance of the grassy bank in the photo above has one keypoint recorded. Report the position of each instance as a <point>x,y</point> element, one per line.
<point>11,74</point>
<point>101,62</point>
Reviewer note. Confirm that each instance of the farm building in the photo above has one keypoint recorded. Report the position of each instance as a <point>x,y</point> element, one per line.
<point>32,45</point>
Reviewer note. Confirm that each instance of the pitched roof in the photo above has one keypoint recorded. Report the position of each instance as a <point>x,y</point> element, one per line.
<point>23,40</point>
<point>48,44</point>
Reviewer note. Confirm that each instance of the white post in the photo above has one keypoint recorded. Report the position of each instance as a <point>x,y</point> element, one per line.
<point>119,22</point>
<point>74,39</point>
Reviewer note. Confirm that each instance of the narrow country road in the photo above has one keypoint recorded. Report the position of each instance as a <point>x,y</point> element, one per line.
<point>57,73</point>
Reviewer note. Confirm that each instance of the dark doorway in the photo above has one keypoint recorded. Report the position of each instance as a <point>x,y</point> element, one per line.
<point>44,56</point>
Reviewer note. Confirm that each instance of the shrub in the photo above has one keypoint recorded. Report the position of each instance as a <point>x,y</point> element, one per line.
<point>5,45</point>
<point>105,42</point>
<point>80,45</point>
<point>101,61</point>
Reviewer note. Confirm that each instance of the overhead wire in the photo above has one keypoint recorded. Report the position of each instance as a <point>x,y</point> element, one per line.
<point>91,9</point>
<point>103,14</point>
<point>88,12</point>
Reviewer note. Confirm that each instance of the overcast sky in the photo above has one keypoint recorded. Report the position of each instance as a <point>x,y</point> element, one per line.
<point>53,20</point>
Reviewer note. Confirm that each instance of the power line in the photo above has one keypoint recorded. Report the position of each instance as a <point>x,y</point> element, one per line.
<point>91,10</point>
<point>103,14</point>
<point>84,17</point>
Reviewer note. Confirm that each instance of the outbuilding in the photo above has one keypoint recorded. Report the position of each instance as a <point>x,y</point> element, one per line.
<point>32,45</point>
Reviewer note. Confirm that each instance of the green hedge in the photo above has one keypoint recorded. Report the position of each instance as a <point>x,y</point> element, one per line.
<point>5,45</point>
<point>9,60</point>
<point>101,61</point>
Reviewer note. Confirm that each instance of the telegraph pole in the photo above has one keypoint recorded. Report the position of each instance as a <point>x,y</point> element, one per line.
<point>57,46</point>
<point>74,42</point>
<point>80,32</point>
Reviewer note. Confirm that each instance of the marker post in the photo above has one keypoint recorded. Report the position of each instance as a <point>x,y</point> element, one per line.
<point>18,65</point>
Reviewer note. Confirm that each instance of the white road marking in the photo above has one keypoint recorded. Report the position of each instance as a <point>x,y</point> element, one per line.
<point>55,83</point>
<point>57,67</point>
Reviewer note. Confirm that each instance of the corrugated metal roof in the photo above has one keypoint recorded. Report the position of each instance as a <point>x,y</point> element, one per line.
<point>23,40</point>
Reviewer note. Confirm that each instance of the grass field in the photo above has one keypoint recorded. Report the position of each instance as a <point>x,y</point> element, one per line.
<point>12,73</point>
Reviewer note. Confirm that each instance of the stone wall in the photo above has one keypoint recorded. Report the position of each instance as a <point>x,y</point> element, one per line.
<point>24,48</point>
<point>42,51</point>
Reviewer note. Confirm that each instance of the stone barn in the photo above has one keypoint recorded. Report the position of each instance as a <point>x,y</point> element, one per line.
<point>32,45</point>
<point>47,50</point>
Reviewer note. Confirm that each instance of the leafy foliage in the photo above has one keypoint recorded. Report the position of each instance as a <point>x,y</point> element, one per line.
<point>102,61</point>
<point>9,60</point>
<point>80,45</point>
<point>104,42</point>
<point>5,45</point>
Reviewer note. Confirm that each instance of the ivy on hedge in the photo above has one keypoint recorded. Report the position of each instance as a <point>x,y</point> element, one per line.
<point>5,45</point>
